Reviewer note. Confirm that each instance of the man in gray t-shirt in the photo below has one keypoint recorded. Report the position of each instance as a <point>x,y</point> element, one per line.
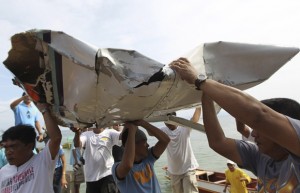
<point>272,174</point>
<point>276,166</point>
<point>275,156</point>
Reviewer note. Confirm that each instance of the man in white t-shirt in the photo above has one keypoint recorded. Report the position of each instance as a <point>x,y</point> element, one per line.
<point>182,163</point>
<point>26,171</point>
<point>98,158</point>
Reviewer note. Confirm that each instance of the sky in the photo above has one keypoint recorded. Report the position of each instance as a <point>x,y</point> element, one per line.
<point>160,29</point>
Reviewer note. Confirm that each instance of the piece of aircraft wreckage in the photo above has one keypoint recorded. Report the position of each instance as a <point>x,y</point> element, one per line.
<point>86,85</point>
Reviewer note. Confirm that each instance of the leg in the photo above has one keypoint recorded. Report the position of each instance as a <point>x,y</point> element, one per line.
<point>108,185</point>
<point>57,180</point>
<point>176,183</point>
<point>78,179</point>
<point>76,188</point>
<point>190,182</point>
<point>93,187</point>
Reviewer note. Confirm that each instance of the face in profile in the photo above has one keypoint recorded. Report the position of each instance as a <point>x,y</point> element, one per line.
<point>117,127</point>
<point>231,167</point>
<point>264,144</point>
<point>27,99</point>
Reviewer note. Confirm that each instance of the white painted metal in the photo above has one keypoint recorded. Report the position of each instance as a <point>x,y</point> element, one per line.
<point>86,85</point>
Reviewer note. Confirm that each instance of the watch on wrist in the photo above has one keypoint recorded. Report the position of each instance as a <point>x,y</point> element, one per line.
<point>200,79</point>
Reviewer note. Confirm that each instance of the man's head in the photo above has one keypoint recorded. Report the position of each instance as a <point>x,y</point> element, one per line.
<point>141,145</point>
<point>171,126</point>
<point>117,127</point>
<point>284,106</point>
<point>139,136</point>
<point>19,141</point>
<point>27,99</point>
<point>231,165</point>
<point>97,129</point>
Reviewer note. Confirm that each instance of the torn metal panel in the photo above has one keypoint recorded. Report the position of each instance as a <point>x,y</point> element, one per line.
<point>85,85</point>
<point>254,63</point>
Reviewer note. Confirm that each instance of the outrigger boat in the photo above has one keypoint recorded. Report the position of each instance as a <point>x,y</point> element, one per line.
<point>214,182</point>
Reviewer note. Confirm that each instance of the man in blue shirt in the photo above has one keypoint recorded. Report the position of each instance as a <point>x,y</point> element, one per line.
<point>135,172</point>
<point>26,114</point>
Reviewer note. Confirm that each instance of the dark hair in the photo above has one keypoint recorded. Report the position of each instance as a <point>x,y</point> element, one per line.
<point>23,133</point>
<point>284,106</point>
<point>23,94</point>
<point>139,135</point>
<point>124,136</point>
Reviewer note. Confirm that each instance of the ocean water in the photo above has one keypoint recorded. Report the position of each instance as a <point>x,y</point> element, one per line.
<point>205,156</point>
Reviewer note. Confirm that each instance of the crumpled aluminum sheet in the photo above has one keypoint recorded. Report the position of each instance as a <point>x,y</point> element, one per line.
<point>87,85</point>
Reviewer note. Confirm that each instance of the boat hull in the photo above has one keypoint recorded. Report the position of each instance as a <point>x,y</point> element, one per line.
<point>214,182</point>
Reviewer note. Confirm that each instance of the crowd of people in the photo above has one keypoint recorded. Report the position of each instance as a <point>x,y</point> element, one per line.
<point>120,159</point>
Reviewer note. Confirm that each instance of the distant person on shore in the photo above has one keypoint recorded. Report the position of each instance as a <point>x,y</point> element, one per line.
<point>135,173</point>
<point>182,163</point>
<point>26,113</point>
<point>59,179</point>
<point>275,158</point>
<point>98,158</point>
<point>26,171</point>
<point>236,178</point>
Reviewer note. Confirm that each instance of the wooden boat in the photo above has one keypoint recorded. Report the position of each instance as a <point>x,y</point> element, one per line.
<point>214,182</point>
<point>67,145</point>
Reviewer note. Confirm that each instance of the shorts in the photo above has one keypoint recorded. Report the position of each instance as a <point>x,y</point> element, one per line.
<point>79,176</point>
